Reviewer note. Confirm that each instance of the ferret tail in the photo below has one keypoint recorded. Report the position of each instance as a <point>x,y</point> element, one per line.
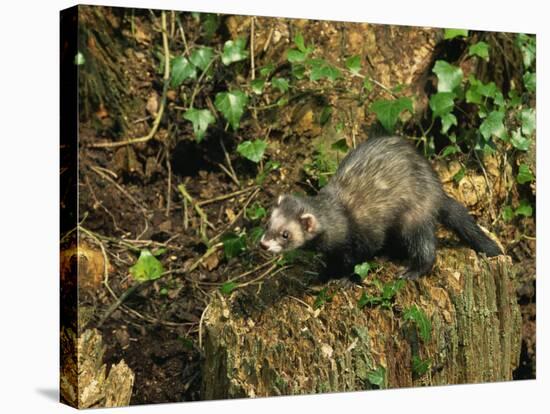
<point>456,217</point>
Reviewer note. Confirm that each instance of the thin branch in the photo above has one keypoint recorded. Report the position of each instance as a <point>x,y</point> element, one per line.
<point>198,209</point>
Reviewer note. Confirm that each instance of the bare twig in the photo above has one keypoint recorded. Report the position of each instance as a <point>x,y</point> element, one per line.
<point>249,272</point>
<point>236,216</point>
<point>169,189</point>
<point>200,325</point>
<point>183,36</point>
<point>229,173</point>
<point>227,196</point>
<point>198,209</point>
<point>120,188</point>
<point>208,253</point>
<point>160,112</point>
<point>199,80</point>
<point>229,165</point>
<point>264,274</point>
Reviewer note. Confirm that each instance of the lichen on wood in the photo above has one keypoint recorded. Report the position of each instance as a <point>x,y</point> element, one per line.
<point>269,340</point>
<point>84,380</point>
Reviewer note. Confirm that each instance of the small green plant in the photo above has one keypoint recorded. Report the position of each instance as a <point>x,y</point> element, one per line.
<point>233,245</point>
<point>420,366</point>
<point>147,267</point>
<point>524,209</point>
<point>201,119</point>
<point>388,111</point>
<point>363,269</point>
<point>255,212</point>
<point>252,150</point>
<point>268,168</point>
<point>228,287</point>
<point>384,299</point>
<point>418,317</point>
<point>322,167</point>
<point>322,297</point>
<point>232,105</point>
<point>377,377</point>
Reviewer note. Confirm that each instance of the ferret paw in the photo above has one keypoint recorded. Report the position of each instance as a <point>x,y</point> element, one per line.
<point>410,275</point>
<point>348,282</point>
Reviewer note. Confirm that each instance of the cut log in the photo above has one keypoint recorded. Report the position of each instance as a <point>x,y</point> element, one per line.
<point>269,340</point>
<point>84,381</point>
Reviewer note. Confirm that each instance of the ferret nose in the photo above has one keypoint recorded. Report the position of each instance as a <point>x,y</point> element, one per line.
<point>264,245</point>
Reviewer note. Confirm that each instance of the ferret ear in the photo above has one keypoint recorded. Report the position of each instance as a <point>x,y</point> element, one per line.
<point>279,199</point>
<point>309,222</point>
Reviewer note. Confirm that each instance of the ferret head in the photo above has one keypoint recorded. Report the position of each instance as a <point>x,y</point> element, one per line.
<point>290,225</point>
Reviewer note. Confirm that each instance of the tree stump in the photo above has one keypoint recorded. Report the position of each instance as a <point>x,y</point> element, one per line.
<point>268,339</point>
<point>84,380</point>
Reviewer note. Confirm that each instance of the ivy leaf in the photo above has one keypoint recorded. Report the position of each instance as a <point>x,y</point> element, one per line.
<point>234,51</point>
<point>200,118</point>
<point>507,213</point>
<point>525,209</point>
<point>298,71</point>
<point>210,23</point>
<point>459,175</point>
<point>182,69</point>
<point>295,56</point>
<point>478,90</point>
<point>147,267</point>
<point>530,81</point>
<point>231,105</point>
<point>527,46</point>
<point>266,70</point>
<point>353,64</point>
<point>255,212</point>
<point>388,111</point>
<point>252,150</point>
<point>480,49</point>
<point>528,121</point>
<point>493,125</point>
<point>449,150</point>
<point>452,33</point>
<point>362,269</point>
<point>299,42</point>
<point>228,287</point>
<point>524,174</point>
<point>280,83</point>
<point>257,86</point>
<point>377,377</point>
<point>420,366</point>
<point>449,77</point>
<point>201,57</point>
<point>442,103</point>
<point>520,142</point>
<point>447,121</point>
<point>321,69</point>
<point>417,315</point>
<point>340,145</point>
<point>233,245</point>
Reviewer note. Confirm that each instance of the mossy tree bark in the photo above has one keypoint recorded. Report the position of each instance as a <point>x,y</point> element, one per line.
<point>268,340</point>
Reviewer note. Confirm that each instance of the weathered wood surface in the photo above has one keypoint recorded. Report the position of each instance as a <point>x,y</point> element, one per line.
<point>267,340</point>
<point>84,380</point>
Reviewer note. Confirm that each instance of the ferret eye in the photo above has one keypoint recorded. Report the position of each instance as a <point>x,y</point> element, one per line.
<point>284,234</point>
